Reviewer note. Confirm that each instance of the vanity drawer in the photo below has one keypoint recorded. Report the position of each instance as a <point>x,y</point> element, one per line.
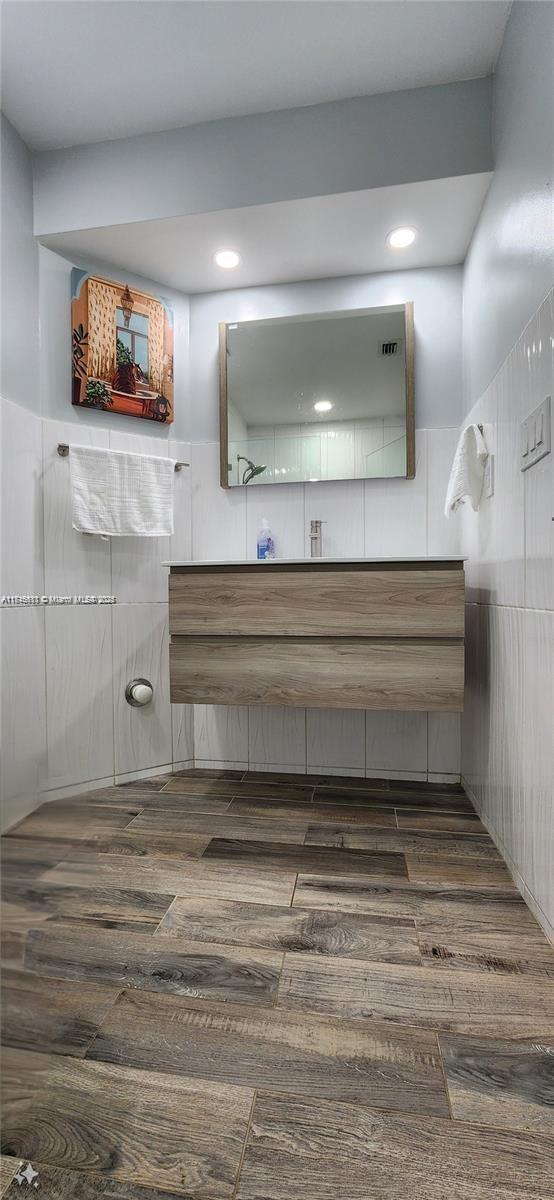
<point>412,674</point>
<point>318,601</point>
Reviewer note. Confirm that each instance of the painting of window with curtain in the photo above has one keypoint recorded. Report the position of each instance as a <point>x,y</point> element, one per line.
<point>122,349</point>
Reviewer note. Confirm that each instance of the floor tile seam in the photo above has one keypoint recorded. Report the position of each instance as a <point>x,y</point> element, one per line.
<point>394,1113</point>
<point>518,981</point>
<point>294,886</point>
<point>378,831</point>
<point>128,825</point>
<point>162,918</point>
<point>393,1026</point>
<point>244,1146</point>
<point>315,819</point>
<point>107,1014</point>
<point>345,959</point>
<point>390,807</point>
<point>380,1110</point>
<point>444,1075</point>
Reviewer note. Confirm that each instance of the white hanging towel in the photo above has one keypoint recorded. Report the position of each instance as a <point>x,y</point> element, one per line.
<point>468,470</point>
<point>116,494</point>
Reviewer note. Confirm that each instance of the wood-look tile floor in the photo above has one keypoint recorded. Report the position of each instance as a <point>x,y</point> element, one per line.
<point>265,987</point>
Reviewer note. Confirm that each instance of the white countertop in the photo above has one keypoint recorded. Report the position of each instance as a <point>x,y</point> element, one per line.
<point>294,562</point>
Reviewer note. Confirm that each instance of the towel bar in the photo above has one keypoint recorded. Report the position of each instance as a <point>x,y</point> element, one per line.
<point>63,451</point>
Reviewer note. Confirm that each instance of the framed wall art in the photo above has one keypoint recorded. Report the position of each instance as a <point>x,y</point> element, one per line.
<point>122,349</point>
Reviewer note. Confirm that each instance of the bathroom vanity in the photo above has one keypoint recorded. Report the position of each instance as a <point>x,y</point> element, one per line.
<point>323,633</point>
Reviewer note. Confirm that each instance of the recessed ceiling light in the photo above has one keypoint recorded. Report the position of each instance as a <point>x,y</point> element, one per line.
<point>227,259</point>
<point>400,238</point>
<point>323,406</point>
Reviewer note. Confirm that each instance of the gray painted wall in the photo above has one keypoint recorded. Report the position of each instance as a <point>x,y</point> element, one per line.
<point>55,347</point>
<point>367,142</point>
<point>19,283</point>
<point>509,265</point>
<point>437,296</point>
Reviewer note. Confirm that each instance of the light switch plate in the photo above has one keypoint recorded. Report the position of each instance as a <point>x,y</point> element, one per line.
<point>535,435</point>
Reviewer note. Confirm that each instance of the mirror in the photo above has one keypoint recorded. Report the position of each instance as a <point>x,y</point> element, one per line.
<point>317,397</point>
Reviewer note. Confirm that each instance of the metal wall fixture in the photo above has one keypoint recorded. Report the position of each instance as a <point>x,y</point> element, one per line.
<point>63,451</point>
<point>139,692</point>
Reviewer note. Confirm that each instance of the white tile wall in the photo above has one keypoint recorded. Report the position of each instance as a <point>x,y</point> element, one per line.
<point>538,772</point>
<point>373,517</point>
<point>218,515</point>
<point>182,729</point>
<point>341,506</point>
<point>221,735</point>
<point>283,505</point>
<point>443,743</point>
<point>70,649</point>
<point>539,534</point>
<point>508,549</point>
<point>180,545</point>
<point>79,694</point>
<point>277,738</point>
<point>396,744</point>
<point>507,735</point>
<point>443,535</point>
<point>23,705</point>
<point>336,739</point>
<point>396,510</point>
<point>23,712</point>
<point>22,567</point>
<point>408,514</point>
<point>142,736</point>
<point>74,563</point>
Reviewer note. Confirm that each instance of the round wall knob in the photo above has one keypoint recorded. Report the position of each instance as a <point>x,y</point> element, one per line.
<point>139,692</point>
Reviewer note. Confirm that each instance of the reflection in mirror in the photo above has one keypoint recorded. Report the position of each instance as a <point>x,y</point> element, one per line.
<point>317,397</point>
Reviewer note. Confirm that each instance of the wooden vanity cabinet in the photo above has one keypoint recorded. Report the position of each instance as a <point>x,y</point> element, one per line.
<point>319,634</point>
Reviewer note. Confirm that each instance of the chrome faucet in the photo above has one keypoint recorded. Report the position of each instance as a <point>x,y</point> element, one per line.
<point>315,538</point>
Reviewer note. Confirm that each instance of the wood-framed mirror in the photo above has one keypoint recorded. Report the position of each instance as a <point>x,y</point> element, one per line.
<point>318,397</point>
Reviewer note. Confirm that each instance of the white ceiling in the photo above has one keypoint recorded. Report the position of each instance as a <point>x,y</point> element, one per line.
<point>78,71</point>
<point>314,238</point>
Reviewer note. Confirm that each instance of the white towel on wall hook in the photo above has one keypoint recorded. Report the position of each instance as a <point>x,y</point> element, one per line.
<point>467,473</point>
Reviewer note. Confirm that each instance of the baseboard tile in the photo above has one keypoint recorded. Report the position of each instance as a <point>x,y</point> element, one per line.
<point>354,772</point>
<point>386,773</point>
<point>76,789</point>
<point>145,773</point>
<point>217,764</point>
<point>281,768</point>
